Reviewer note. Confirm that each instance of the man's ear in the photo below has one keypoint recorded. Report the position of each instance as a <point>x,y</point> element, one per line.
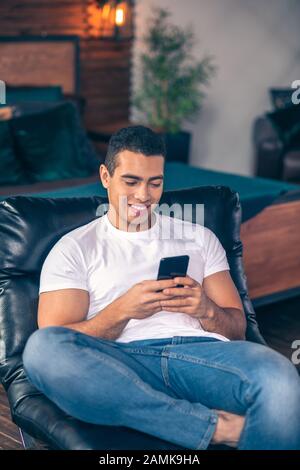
<point>104,175</point>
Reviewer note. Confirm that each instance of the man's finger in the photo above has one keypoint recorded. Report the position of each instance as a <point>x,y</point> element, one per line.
<point>158,297</point>
<point>186,281</point>
<point>178,310</point>
<point>183,302</point>
<point>160,285</point>
<point>179,291</point>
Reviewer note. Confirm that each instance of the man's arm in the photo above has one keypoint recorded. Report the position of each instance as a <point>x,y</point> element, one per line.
<point>222,309</point>
<point>216,304</point>
<point>69,307</point>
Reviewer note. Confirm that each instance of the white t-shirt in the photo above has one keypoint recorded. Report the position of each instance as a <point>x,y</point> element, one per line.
<point>107,261</point>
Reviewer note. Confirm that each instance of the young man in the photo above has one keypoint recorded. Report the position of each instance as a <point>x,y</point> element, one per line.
<point>118,347</point>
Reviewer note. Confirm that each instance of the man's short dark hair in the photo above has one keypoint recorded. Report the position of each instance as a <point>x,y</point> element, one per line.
<point>139,139</point>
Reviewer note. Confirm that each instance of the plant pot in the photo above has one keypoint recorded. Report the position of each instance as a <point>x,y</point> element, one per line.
<point>178,146</point>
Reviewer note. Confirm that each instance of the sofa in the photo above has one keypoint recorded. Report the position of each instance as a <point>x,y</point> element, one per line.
<point>276,139</point>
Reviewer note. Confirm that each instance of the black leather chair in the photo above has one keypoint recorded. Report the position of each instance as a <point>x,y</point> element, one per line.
<point>29,227</point>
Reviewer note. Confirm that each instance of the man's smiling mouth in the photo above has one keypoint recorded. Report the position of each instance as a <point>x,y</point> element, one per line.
<point>139,208</point>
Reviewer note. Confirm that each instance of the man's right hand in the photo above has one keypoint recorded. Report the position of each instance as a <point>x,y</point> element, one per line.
<point>143,299</point>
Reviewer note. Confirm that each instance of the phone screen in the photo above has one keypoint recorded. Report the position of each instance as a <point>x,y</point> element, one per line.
<point>173,266</point>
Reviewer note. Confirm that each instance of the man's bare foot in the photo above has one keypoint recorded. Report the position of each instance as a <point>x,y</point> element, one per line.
<point>229,428</point>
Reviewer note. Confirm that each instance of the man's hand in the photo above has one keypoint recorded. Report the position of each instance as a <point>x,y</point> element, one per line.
<point>190,298</point>
<point>143,299</point>
<point>216,304</point>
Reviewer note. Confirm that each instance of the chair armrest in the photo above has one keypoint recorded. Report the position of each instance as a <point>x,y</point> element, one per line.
<point>268,149</point>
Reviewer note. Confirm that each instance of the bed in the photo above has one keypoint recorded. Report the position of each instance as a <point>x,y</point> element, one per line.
<point>270,229</point>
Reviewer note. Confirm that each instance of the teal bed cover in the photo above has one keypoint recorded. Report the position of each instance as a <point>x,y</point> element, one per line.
<point>255,193</point>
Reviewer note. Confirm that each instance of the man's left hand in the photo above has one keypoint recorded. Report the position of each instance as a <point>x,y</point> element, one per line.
<point>190,298</point>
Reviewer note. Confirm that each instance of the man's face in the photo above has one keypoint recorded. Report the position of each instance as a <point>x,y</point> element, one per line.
<point>135,188</point>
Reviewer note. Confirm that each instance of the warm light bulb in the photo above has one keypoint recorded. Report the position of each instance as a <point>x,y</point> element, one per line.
<point>119,16</point>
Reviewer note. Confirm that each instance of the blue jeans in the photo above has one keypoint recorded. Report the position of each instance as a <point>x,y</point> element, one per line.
<point>169,388</point>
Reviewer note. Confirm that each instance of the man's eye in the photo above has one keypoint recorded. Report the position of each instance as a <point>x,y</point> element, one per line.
<point>130,183</point>
<point>156,185</point>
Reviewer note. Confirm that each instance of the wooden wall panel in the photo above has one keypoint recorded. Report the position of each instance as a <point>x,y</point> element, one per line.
<point>38,63</point>
<point>271,249</point>
<point>104,64</point>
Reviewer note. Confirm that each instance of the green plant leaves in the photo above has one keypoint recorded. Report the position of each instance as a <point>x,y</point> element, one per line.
<point>172,80</point>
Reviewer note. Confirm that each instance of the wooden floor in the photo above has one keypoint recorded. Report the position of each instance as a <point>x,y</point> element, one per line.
<point>279,324</point>
<point>9,433</point>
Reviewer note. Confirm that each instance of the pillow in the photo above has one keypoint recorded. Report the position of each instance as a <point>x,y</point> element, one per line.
<point>87,150</point>
<point>85,146</point>
<point>10,168</point>
<point>47,144</point>
<point>32,107</point>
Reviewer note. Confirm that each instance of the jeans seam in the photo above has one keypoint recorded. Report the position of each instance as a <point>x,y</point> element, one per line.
<point>211,364</point>
<point>207,436</point>
<point>143,351</point>
<point>147,389</point>
<point>111,361</point>
<point>232,370</point>
<point>186,358</point>
<point>79,337</point>
<point>164,361</point>
<point>205,439</point>
<point>164,370</point>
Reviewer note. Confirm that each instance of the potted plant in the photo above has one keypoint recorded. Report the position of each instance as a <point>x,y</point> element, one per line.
<point>172,81</point>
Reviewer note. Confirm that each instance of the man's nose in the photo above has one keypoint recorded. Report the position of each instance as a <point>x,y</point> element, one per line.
<point>142,194</point>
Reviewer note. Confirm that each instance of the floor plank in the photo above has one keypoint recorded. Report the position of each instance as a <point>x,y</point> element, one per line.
<point>280,325</point>
<point>9,434</point>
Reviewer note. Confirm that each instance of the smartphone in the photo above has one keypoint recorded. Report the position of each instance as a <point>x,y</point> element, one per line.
<point>173,266</point>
